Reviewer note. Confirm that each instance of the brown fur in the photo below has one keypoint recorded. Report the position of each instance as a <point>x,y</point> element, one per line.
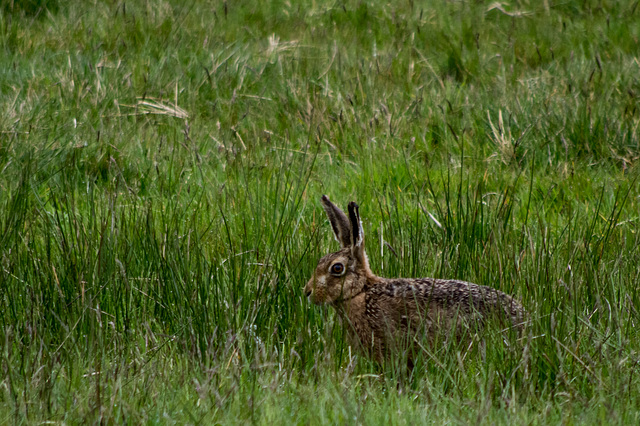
<point>384,312</point>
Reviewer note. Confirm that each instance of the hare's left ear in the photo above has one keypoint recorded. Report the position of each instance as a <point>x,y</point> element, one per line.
<point>339,222</point>
<point>357,234</point>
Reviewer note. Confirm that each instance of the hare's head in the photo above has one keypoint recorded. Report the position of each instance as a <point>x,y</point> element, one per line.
<point>342,275</point>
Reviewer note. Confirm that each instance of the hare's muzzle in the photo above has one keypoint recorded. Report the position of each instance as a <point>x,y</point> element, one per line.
<point>308,289</point>
<point>311,291</point>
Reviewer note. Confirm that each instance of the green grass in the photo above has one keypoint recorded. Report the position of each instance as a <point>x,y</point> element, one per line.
<point>161,165</point>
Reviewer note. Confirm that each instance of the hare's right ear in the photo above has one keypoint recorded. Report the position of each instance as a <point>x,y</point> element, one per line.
<point>357,234</point>
<point>339,222</point>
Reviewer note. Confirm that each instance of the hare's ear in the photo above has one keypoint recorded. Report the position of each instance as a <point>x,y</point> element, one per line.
<point>357,234</point>
<point>339,222</point>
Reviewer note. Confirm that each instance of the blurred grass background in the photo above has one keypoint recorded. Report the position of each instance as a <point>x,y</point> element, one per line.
<point>161,167</point>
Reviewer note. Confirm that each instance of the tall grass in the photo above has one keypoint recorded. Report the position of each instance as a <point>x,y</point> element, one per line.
<point>161,167</point>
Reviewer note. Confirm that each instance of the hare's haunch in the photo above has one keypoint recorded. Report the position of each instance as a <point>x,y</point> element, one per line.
<point>381,312</point>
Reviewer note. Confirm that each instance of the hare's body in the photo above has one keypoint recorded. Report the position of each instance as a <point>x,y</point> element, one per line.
<point>390,313</point>
<point>383,313</point>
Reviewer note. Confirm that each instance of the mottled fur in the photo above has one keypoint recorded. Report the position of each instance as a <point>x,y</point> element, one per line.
<point>383,313</point>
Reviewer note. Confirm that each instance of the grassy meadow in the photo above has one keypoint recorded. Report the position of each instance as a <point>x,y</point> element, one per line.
<point>161,167</point>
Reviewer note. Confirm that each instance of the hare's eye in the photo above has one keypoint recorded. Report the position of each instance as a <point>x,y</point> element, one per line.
<point>337,269</point>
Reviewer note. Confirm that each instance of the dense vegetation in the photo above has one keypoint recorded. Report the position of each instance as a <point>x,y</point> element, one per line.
<point>161,167</point>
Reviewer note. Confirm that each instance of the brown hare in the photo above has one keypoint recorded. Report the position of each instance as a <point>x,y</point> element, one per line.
<point>384,313</point>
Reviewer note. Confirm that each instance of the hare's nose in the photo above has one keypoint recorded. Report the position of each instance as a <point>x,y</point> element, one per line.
<point>307,292</point>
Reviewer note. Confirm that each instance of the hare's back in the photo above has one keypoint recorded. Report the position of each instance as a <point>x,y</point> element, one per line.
<point>453,296</point>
